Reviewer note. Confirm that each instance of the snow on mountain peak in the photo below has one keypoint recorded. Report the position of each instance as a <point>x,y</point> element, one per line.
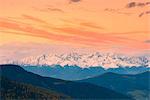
<point>86,60</point>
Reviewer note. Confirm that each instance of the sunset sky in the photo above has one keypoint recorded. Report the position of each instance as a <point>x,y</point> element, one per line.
<point>108,25</point>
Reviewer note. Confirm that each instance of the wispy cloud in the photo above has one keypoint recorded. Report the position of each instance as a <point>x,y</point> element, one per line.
<point>84,24</point>
<point>93,36</point>
<point>32,31</point>
<point>33,18</point>
<point>91,25</point>
<point>49,9</point>
<point>73,35</point>
<point>117,11</point>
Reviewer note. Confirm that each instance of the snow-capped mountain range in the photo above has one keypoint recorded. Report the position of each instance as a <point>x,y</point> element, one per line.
<point>95,59</point>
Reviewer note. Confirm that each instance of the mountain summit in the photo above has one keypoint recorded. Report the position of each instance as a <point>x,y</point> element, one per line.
<point>85,60</point>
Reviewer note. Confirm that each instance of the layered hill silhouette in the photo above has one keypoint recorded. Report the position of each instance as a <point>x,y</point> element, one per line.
<point>69,88</point>
<point>15,90</point>
<point>135,85</point>
<point>77,73</point>
<point>66,72</point>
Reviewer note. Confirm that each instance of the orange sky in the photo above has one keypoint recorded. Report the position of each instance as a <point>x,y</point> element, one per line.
<point>100,24</point>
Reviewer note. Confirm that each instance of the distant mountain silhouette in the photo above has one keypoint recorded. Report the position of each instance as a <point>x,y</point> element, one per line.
<point>77,73</point>
<point>20,91</point>
<point>126,84</point>
<point>66,72</point>
<point>72,89</point>
<point>129,70</point>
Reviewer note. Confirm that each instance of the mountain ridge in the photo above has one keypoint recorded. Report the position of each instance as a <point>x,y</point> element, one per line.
<point>84,60</point>
<point>77,73</point>
<point>135,85</point>
<point>16,90</point>
<point>69,88</point>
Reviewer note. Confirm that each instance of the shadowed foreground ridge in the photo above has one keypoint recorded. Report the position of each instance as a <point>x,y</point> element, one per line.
<point>14,90</point>
<point>69,88</point>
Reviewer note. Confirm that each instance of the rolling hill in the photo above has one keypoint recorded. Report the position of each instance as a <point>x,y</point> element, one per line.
<point>72,89</point>
<point>126,84</point>
<point>77,73</point>
<point>15,90</point>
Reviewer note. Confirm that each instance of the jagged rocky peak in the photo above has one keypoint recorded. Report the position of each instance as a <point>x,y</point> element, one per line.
<point>107,60</point>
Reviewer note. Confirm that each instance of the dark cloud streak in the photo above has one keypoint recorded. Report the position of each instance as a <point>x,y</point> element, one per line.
<point>144,13</point>
<point>147,41</point>
<point>129,6</point>
<point>74,1</point>
<point>48,9</point>
<point>55,9</point>
<point>117,11</point>
<point>137,4</point>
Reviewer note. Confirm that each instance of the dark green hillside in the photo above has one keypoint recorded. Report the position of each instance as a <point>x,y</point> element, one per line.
<point>136,85</point>
<point>75,90</point>
<point>14,90</point>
